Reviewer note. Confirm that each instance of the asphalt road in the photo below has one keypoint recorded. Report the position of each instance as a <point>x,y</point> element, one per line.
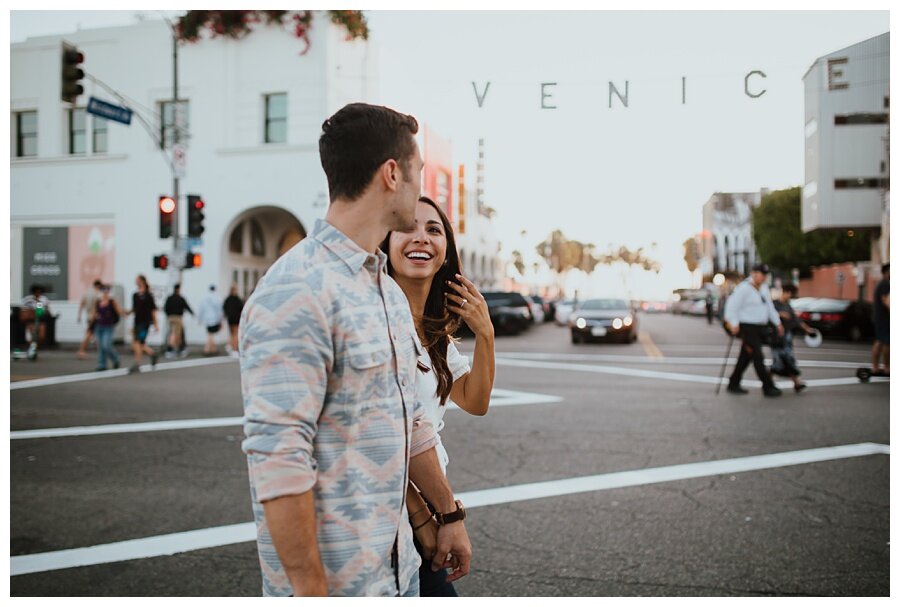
<point>601,469</point>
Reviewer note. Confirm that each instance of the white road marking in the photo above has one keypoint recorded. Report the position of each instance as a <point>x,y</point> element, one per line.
<point>686,377</point>
<point>682,360</point>
<point>499,398</point>
<point>174,543</point>
<point>76,377</point>
<point>175,424</point>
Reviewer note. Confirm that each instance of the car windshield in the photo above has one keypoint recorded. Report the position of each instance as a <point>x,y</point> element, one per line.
<point>604,304</point>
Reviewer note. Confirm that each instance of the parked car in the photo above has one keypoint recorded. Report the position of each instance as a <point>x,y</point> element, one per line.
<point>840,318</point>
<point>654,306</point>
<point>510,312</point>
<point>547,308</point>
<point>612,319</point>
<point>564,308</point>
<point>537,310</point>
<point>690,301</point>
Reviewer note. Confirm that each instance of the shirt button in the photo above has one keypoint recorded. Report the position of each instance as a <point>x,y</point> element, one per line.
<point>403,382</point>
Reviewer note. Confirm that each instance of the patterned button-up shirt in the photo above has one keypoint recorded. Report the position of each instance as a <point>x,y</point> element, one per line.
<point>328,364</point>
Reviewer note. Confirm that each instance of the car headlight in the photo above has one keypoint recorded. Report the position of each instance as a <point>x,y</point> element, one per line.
<point>617,323</point>
<point>581,323</point>
<point>628,320</point>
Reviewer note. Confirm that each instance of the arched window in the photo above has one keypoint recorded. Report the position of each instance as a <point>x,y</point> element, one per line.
<point>236,240</point>
<point>257,240</point>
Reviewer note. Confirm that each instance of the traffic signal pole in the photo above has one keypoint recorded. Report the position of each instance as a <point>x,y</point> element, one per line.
<point>176,138</point>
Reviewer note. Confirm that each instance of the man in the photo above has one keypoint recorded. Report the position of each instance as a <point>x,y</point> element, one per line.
<point>144,309</point>
<point>175,307</point>
<point>87,304</point>
<point>747,312</point>
<point>328,364</point>
<point>882,308</point>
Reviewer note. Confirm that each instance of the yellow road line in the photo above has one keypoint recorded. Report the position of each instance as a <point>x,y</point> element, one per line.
<point>649,347</point>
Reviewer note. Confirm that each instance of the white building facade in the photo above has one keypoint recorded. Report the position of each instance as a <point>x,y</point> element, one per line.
<point>847,168</point>
<point>84,192</point>
<point>726,242</point>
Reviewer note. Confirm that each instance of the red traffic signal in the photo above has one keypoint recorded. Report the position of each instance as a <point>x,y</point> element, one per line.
<point>161,262</point>
<point>70,73</point>
<point>166,216</point>
<point>195,216</point>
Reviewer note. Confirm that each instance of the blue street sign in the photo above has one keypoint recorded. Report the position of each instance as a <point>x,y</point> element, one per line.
<point>109,111</point>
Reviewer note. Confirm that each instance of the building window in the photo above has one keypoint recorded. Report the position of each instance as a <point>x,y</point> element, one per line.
<point>859,183</point>
<point>276,118</point>
<point>77,131</point>
<point>257,240</point>
<point>26,134</point>
<point>862,118</point>
<point>100,133</point>
<point>236,240</point>
<point>167,124</point>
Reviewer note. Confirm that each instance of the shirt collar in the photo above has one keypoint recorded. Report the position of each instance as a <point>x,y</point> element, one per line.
<point>346,249</point>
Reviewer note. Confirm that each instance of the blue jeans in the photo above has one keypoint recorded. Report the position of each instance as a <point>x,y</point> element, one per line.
<point>104,334</point>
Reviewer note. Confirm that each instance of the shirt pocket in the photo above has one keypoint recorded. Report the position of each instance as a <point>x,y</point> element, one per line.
<point>364,356</point>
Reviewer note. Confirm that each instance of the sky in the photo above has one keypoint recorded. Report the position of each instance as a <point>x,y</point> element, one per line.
<point>633,176</point>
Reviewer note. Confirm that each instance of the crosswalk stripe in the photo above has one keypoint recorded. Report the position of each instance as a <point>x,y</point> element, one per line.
<point>175,543</point>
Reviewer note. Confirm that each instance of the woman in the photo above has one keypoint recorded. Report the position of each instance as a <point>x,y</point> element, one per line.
<point>105,317</point>
<point>783,361</point>
<point>425,263</point>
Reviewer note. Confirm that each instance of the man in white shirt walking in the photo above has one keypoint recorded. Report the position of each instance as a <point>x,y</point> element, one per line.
<point>747,312</point>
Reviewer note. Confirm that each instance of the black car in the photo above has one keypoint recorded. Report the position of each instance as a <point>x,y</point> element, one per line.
<point>510,312</point>
<point>612,319</point>
<point>840,318</point>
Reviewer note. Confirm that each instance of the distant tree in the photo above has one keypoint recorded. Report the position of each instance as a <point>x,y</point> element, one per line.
<point>781,243</point>
<point>518,262</point>
<point>630,258</point>
<point>562,254</point>
<point>237,24</point>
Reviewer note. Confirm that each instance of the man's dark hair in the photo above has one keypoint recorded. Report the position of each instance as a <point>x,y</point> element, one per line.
<point>36,288</point>
<point>886,268</point>
<point>176,287</point>
<point>790,288</point>
<point>357,140</point>
<point>97,284</point>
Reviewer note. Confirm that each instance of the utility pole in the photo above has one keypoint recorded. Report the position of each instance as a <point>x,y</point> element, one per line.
<point>175,163</point>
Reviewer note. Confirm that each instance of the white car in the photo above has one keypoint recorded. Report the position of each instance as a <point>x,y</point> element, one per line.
<point>537,310</point>
<point>564,309</point>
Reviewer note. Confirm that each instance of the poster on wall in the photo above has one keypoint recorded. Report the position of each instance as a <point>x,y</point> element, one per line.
<point>92,257</point>
<point>45,260</point>
<point>66,260</point>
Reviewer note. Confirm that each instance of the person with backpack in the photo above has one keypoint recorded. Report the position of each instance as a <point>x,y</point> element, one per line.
<point>106,316</point>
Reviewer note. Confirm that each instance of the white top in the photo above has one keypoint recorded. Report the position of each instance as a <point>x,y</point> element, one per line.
<point>426,392</point>
<point>747,305</point>
<point>210,312</point>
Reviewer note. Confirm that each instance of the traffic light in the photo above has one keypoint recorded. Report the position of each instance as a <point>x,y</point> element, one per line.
<point>166,216</point>
<point>195,216</point>
<point>192,260</point>
<point>71,73</point>
<point>161,262</point>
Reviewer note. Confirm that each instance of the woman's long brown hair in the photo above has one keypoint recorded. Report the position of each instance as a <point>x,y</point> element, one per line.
<point>438,323</point>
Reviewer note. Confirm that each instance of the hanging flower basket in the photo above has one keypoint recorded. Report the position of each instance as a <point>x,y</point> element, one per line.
<point>237,24</point>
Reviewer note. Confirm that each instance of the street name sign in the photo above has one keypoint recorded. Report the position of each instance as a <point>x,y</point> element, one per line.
<point>109,111</point>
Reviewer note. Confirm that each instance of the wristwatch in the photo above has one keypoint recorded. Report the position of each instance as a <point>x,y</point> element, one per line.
<point>451,517</point>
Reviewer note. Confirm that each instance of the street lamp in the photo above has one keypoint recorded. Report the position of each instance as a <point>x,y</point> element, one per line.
<point>719,280</point>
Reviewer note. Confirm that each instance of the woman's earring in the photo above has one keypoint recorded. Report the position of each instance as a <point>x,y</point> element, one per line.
<point>446,261</point>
